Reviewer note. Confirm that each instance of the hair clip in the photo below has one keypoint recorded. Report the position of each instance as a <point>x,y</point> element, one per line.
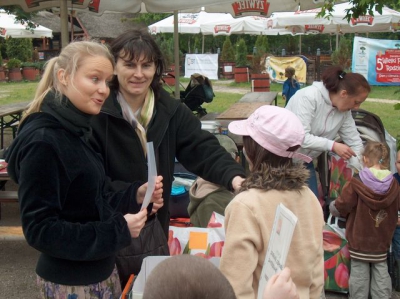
<point>342,74</point>
<point>380,161</point>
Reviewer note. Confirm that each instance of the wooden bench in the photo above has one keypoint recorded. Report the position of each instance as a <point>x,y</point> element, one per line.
<point>8,196</point>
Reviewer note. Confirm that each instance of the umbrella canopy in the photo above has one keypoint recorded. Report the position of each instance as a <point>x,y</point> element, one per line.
<point>306,21</point>
<point>188,22</point>
<point>10,27</point>
<point>245,25</point>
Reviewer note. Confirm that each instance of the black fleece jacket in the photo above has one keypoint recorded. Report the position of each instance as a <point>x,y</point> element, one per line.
<point>65,213</point>
<point>175,133</point>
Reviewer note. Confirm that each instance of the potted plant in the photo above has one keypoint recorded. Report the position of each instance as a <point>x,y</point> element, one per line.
<point>30,71</point>
<point>14,70</point>
<point>2,71</point>
<point>260,80</point>
<point>227,59</point>
<point>241,69</point>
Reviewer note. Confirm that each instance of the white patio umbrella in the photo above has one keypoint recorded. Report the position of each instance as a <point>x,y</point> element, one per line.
<point>241,7</point>
<point>256,25</point>
<point>307,22</point>
<point>188,23</point>
<point>10,27</point>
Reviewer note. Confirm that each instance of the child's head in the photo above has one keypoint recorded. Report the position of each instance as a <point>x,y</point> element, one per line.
<point>187,276</point>
<point>271,137</point>
<point>398,162</point>
<point>289,72</point>
<point>376,154</point>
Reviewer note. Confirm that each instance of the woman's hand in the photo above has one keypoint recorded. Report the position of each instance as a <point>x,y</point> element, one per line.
<point>157,194</point>
<point>136,222</point>
<point>281,286</point>
<point>343,150</point>
<point>156,198</point>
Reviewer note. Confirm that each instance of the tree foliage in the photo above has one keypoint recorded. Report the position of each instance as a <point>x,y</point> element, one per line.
<point>241,53</point>
<point>359,7</point>
<point>228,52</point>
<point>342,55</point>
<point>20,48</point>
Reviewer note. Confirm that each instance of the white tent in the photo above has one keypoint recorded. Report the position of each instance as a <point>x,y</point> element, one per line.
<point>257,25</point>
<point>10,27</point>
<point>307,22</point>
<point>188,23</point>
<point>242,7</point>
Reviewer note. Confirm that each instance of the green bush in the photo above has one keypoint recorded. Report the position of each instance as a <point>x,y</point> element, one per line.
<point>241,54</point>
<point>258,60</point>
<point>30,64</point>
<point>228,52</point>
<point>342,56</point>
<point>14,63</point>
<point>20,48</point>
<point>166,48</point>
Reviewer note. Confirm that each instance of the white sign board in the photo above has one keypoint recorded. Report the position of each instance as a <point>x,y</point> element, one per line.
<point>205,64</point>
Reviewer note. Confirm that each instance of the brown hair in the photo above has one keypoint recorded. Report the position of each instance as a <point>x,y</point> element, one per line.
<point>336,79</point>
<point>377,153</point>
<point>187,276</point>
<point>270,171</point>
<point>290,70</point>
<point>133,44</point>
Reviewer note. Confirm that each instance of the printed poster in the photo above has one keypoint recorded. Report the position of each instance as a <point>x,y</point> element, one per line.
<point>204,64</point>
<point>378,60</point>
<point>275,67</point>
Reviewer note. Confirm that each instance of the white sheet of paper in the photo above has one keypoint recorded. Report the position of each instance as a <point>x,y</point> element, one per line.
<point>278,245</point>
<point>151,163</point>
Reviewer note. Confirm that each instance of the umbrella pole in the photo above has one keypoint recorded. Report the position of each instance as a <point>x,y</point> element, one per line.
<point>202,46</point>
<point>176,55</point>
<point>64,23</point>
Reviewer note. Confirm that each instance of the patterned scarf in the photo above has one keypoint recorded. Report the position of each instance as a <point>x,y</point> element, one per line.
<point>141,118</point>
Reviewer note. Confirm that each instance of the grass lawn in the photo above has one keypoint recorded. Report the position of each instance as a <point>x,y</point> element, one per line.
<point>24,91</point>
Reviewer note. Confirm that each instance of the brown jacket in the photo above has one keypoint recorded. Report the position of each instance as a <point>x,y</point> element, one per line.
<point>368,240</point>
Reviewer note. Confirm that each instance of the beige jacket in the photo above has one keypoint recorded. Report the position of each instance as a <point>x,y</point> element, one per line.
<point>248,223</point>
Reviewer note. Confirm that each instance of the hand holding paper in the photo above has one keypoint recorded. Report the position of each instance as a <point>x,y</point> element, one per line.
<point>154,184</point>
<point>281,286</point>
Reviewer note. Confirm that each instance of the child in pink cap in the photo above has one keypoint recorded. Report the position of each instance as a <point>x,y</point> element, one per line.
<point>271,137</point>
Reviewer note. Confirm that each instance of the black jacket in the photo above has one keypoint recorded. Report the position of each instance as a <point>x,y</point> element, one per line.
<point>175,133</point>
<point>65,213</point>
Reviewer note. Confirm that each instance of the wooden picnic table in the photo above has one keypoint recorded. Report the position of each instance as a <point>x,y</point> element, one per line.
<point>266,97</point>
<point>9,116</point>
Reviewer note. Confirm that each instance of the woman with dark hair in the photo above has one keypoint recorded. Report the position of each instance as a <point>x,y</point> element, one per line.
<point>137,111</point>
<point>324,109</point>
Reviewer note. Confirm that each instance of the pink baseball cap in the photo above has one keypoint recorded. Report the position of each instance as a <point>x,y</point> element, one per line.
<point>274,128</point>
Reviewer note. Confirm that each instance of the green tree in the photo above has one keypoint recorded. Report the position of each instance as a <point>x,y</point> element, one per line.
<point>228,52</point>
<point>342,55</point>
<point>241,53</point>
<point>260,50</point>
<point>20,48</point>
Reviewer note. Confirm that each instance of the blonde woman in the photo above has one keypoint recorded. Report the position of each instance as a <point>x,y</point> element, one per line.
<point>66,215</point>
